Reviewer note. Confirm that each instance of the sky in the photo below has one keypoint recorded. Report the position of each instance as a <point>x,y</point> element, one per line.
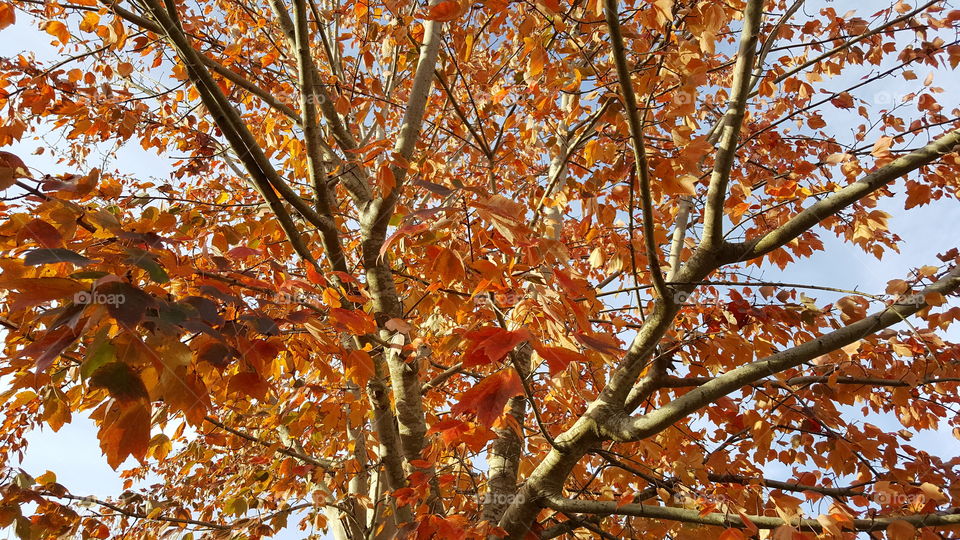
<point>73,453</point>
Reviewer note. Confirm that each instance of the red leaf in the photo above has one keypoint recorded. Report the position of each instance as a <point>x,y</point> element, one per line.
<point>44,233</point>
<point>315,277</point>
<point>558,358</point>
<point>487,398</point>
<point>242,252</point>
<point>490,345</point>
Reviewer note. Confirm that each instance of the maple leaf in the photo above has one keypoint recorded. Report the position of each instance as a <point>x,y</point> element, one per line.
<point>558,358</point>
<point>353,321</point>
<point>125,431</point>
<point>446,10</point>
<point>487,398</point>
<point>491,345</point>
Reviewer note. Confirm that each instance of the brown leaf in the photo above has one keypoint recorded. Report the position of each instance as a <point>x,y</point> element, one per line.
<point>11,166</point>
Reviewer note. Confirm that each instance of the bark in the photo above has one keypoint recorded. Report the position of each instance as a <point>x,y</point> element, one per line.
<point>730,519</point>
<point>504,452</point>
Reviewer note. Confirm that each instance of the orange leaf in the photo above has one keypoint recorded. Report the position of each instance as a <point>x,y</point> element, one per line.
<point>44,233</point>
<point>448,266</point>
<point>901,530</point>
<point>249,383</point>
<point>125,431</point>
<point>315,277</point>
<point>352,321</point>
<point>386,179</point>
<point>732,534</point>
<point>7,15</point>
<point>58,30</point>
<point>487,398</point>
<point>40,290</point>
<point>447,10</point>
<point>358,367</point>
<point>11,167</point>
<point>598,342</point>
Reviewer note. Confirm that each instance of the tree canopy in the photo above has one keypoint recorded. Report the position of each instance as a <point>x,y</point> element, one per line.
<point>464,270</point>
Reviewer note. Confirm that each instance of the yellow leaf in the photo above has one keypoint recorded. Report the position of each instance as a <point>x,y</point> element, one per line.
<point>47,478</point>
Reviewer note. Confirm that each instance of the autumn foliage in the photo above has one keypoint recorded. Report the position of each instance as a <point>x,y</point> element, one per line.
<point>464,270</point>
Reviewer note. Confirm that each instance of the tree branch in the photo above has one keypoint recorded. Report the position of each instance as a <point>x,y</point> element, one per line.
<point>841,199</point>
<point>733,519</point>
<point>637,428</point>
<point>639,153</point>
<point>732,123</point>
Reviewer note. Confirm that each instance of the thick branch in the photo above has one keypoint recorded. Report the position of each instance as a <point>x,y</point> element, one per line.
<point>227,118</point>
<point>210,63</point>
<point>503,455</point>
<point>639,152</point>
<point>732,123</point>
<point>843,198</point>
<point>733,519</point>
<point>313,141</point>
<point>631,429</point>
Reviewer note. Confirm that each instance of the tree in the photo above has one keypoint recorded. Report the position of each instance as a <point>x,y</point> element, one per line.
<point>376,297</point>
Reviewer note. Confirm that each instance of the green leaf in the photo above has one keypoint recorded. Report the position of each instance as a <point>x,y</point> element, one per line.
<point>39,257</point>
<point>149,263</point>
<point>100,352</point>
<point>121,381</point>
